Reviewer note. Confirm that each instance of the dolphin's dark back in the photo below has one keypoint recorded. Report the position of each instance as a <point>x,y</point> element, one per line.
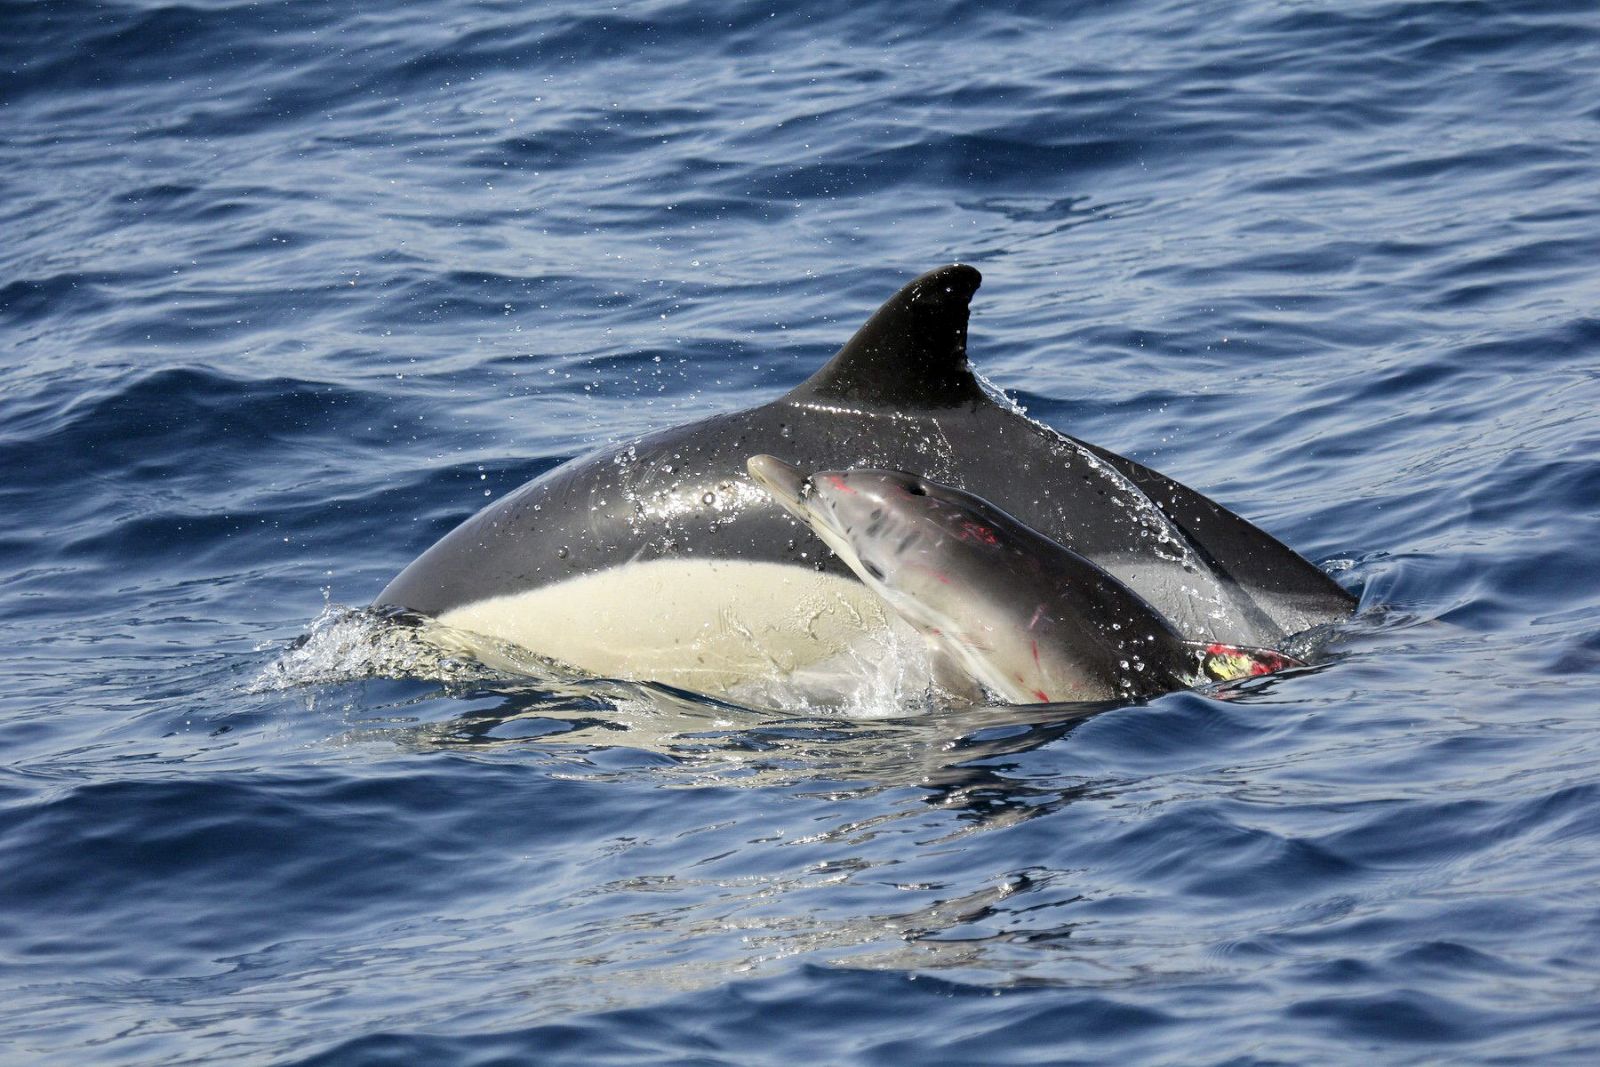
<point>899,394</point>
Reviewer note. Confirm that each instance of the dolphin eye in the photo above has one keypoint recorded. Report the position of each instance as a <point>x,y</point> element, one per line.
<point>807,487</point>
<point>917,489</point>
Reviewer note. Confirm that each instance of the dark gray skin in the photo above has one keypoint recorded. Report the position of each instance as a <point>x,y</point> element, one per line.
<point>898,395</point>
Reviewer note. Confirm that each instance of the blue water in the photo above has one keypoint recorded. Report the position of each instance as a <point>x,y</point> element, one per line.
<point>287,290</point>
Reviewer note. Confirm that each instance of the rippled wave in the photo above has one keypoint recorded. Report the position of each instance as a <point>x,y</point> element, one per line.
<point>287,290</point>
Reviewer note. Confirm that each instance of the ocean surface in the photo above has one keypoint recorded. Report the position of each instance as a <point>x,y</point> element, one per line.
<point>287,290</point>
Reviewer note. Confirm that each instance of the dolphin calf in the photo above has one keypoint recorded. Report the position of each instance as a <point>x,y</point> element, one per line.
<point>658,558</point>
<point>1000,604</point>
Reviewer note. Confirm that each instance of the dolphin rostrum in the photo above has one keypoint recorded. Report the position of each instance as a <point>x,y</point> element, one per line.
<point>659,559</point>
<point>1000,604</point>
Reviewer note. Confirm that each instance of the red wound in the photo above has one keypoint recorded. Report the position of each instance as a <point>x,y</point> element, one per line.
<point>1225,663</point>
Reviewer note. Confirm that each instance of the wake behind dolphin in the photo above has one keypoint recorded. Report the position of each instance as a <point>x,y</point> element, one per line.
<point>659,559</point>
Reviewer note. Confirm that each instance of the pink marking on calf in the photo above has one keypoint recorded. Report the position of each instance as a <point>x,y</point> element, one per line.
<point>972,531</point>
<point>839,483</point>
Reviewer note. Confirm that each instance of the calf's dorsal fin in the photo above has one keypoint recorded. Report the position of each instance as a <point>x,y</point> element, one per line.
<point>912,353</point>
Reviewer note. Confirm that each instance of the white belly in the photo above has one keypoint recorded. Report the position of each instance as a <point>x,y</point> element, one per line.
<point>707,625</point>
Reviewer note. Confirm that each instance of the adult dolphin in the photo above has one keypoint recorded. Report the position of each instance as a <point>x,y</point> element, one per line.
<point>659,558</point>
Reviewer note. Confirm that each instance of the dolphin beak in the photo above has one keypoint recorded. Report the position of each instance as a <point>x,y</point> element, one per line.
<point>783,482</point>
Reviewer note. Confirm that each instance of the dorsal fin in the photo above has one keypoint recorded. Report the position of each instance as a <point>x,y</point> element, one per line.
<point>911,353</point>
